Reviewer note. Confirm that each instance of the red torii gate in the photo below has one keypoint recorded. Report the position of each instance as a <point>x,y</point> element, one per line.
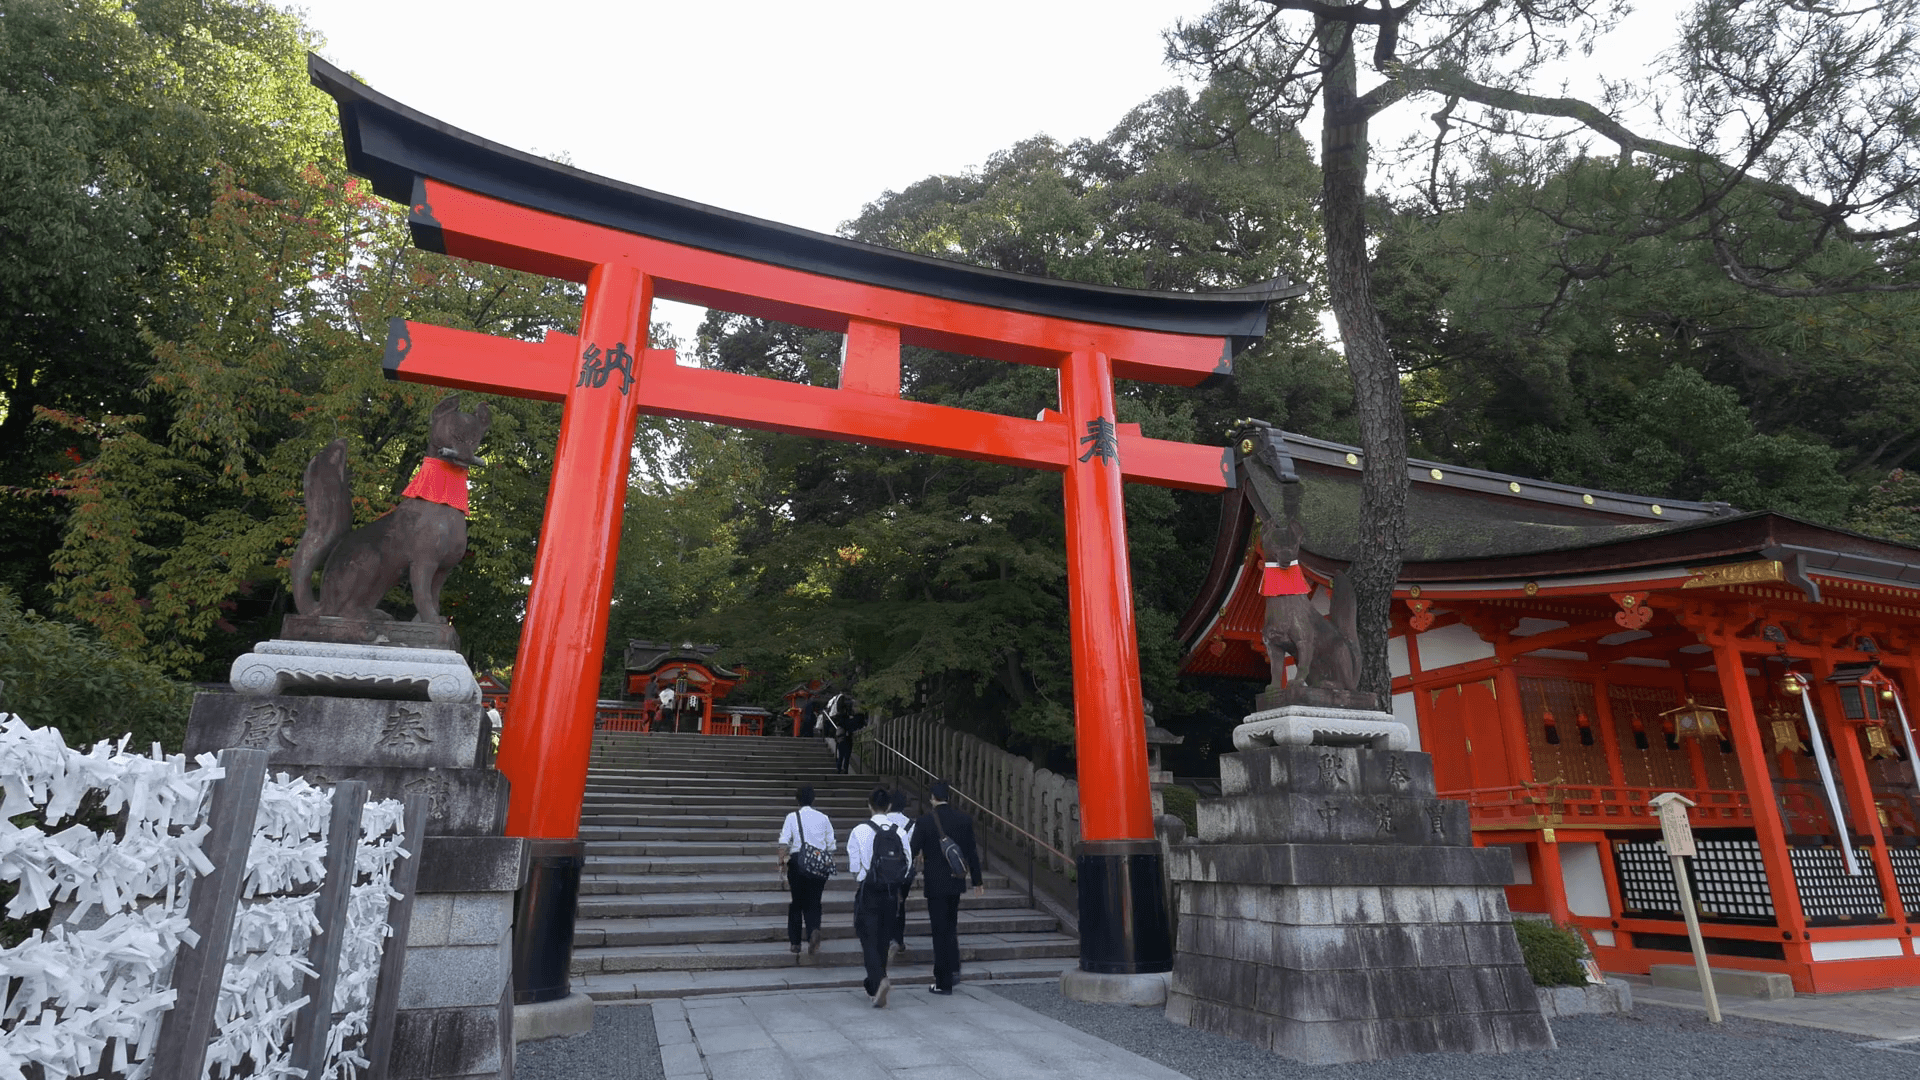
<point>484,202</point>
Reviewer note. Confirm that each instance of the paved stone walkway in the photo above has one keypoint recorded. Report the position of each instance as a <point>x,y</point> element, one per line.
<point>1892,1015</point>
<point>839,1035</point>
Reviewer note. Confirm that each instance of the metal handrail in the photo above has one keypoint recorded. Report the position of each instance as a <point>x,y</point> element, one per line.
<point>1056,852</point>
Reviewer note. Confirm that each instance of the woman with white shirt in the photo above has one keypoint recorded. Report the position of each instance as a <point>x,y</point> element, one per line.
<point>814,829</point>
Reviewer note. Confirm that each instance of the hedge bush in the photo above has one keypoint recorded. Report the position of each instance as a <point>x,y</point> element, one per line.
<point>1184,803</point>
<point>1553,953</point>
<point>55,674</point>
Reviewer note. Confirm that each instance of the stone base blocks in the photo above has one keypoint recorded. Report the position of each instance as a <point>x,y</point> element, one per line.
<point>454,1014</point>
<point>1728,982</point>
<point>1333,909</point>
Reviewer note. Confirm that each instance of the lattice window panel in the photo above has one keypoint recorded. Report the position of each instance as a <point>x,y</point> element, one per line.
<point>1827,891</point>
<point>1646,878</point>
<point>1906,871</point>
<point>1730,880</point>
<point>1569,761</point>
<point>1657,766</point>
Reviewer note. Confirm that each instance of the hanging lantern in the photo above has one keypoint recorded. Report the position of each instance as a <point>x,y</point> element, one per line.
<point>1859,687</point>
<point>1786,733</point>
<point>1691,720</point>
<point>1878,744</point>
<point>1694,720</point>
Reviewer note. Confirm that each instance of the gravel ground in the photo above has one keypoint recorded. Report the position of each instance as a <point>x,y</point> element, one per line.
<point>621,1046</point>
<point>1653,1041</point>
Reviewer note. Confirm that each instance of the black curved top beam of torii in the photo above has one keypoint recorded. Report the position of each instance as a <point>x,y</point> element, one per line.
<point>396,147</point>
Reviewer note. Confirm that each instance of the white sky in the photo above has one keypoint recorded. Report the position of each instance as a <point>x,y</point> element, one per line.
<point>801,113</point>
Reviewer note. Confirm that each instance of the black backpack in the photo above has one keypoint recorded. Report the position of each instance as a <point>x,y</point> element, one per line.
<point>890,868</point>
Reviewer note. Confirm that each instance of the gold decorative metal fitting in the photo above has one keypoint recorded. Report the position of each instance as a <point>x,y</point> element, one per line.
<point>1413,591</point>
<point>1530,588</point>
<point>1246,446</point>
<point>1436,474</point>
<point>1588,499</point>
<point>1353,459</point>
<point>1656,509</point>
<point>1513,486</point>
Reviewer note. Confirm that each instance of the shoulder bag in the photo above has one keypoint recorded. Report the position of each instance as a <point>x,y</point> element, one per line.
<point>809,861</point>
<point>956,860</point>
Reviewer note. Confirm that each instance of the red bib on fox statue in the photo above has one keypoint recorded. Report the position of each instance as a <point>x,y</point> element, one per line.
<point>1276,580</point>
<point>439,481</point>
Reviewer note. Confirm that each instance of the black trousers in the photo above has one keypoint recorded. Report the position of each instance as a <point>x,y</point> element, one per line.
<point>944,913</point>
<point>843,745</point>
<point>873,910</point>
<point>805,906</point>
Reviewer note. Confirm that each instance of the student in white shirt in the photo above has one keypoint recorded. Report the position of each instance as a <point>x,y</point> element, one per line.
<point>897,813</point>
<point>877,899</point>
<point>815,829</point>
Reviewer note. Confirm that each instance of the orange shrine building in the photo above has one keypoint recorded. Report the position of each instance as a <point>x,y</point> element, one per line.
<point>670,687</point>
<point>1565,655</point>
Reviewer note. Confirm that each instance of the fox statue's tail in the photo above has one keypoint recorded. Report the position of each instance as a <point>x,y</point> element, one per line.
<point>329,494</point>
<point>1344,613</point>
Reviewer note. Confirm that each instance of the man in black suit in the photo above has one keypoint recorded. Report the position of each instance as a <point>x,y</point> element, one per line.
<point>940,884</point>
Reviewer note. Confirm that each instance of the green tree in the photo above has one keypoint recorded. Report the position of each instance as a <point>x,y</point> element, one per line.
<point>115,116</point>
<point>177,538</point>
<point>1795,158</point>
<point>1519,335</point>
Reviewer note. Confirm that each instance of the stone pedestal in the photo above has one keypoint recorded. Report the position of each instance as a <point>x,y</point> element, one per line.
<point>386,672</point>
<point>455,1017</point>
<point>1319,725</point>
<point>1333,909</point>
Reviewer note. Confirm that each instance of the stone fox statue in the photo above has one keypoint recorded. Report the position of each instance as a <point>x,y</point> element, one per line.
<point>1324,648</point>
<point>419,541</point>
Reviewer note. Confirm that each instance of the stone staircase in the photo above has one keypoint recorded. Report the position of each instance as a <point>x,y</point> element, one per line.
<point>681,895</point>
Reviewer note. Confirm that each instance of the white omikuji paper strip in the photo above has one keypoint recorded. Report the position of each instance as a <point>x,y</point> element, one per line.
<point>381,834</point>
<point>267,959</point>
<point>72,990</point>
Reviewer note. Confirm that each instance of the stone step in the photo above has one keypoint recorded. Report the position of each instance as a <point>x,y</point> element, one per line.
<point>747,902</point>
<point>672,798</point>
<point>666,849</point>
<point>652,827</point>
<point>744,761</point>
<point>723,778</point>
<point>760,860</point>
<point>756,806</point>
<point>626,813</point>
<point>692,830</point>
<point>655,985</point>
<point>735,955</point>
<point>599,933</point>
<point>780,784</point>
<point>613,877</point>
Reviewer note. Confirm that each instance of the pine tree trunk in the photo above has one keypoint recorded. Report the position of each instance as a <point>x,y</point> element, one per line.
<point>1370,363</point>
